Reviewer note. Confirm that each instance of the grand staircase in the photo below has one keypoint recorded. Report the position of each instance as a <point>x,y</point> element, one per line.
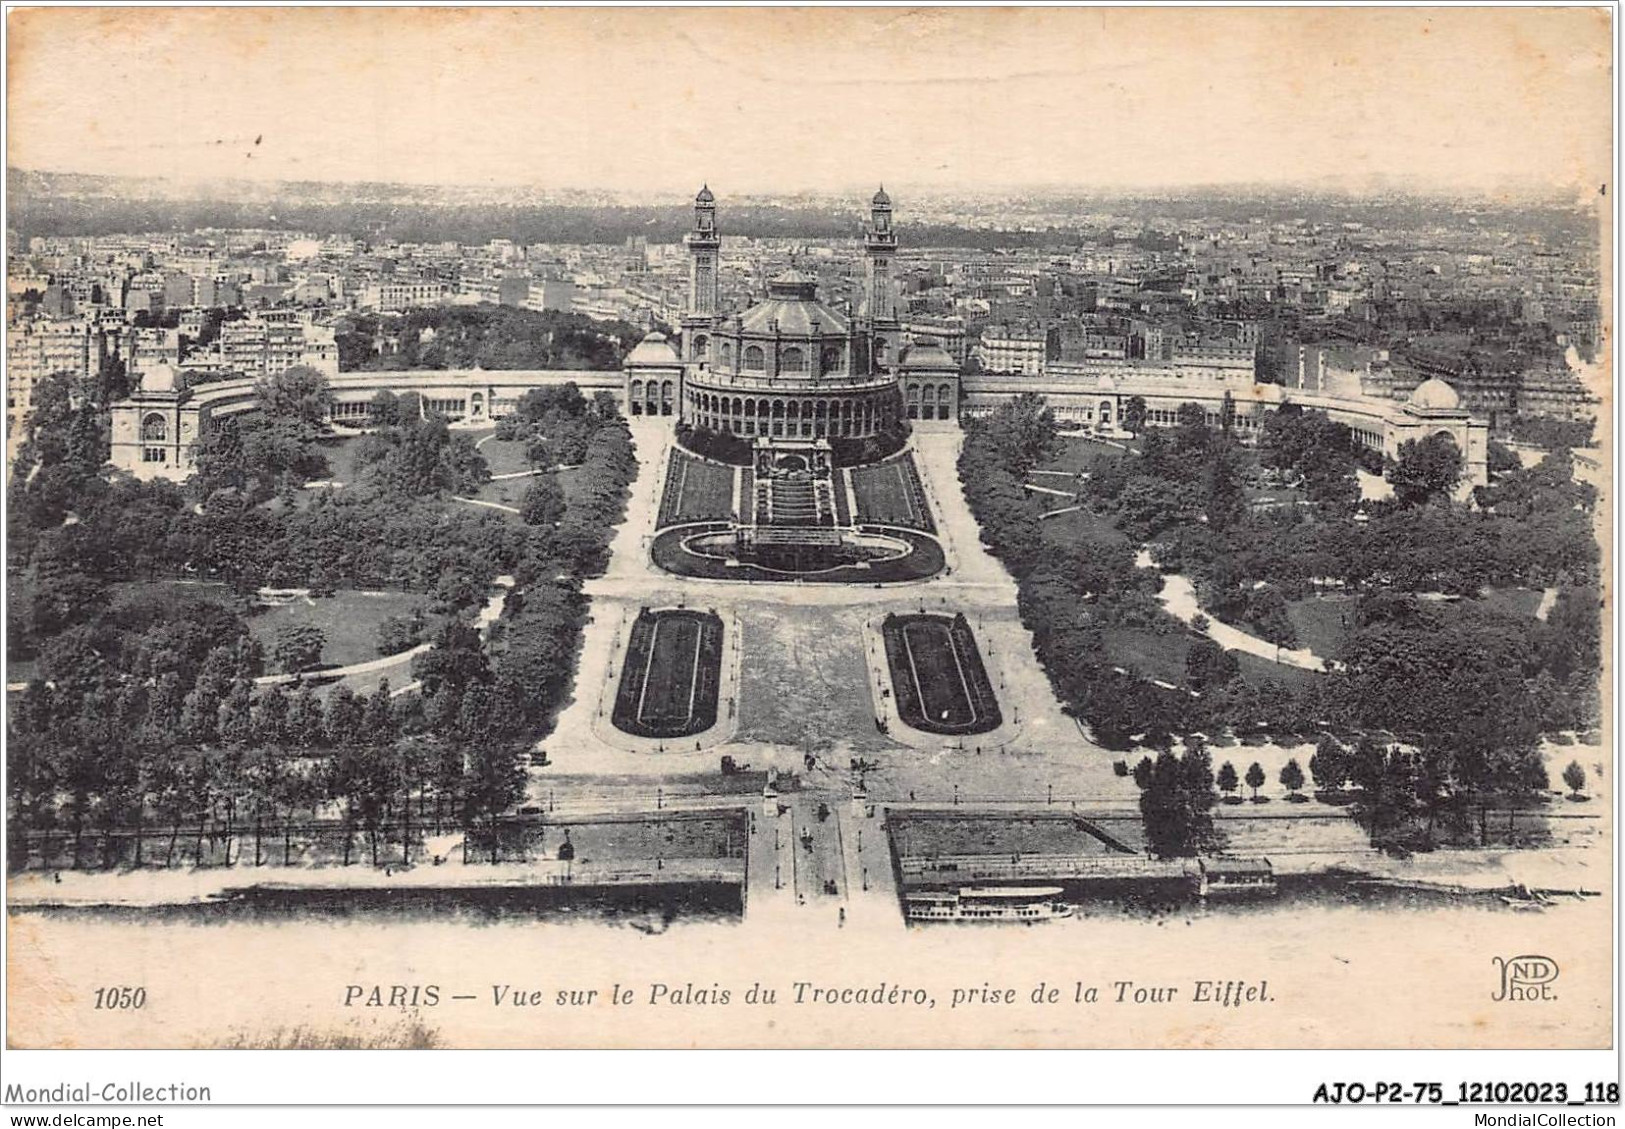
<point>794,500</point>
<point>796,535</point>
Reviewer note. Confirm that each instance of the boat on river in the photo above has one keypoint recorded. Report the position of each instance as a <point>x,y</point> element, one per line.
<point>1028,904</point>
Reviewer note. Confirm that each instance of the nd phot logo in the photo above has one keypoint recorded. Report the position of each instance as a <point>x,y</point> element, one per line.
<point>1525,978</point>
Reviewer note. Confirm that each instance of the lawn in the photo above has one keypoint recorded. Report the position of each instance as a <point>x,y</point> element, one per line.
<point>890,493</point>
<point>511,491</point>
<point>696,491</point>
<point>1513,601</point>
<point>1148,654</point>
<point>341,453</point>
<point>1257,671</point>
<point>573,482</point>
<point>1163,657</point>
<point>1321,622</point>
<point>349,619</point>
<point>805,681</point>
<point>505,456</point>
<point>1075,454</point>
<point>341,458</point>
<point>1080,529</point>
<point>933,674</point>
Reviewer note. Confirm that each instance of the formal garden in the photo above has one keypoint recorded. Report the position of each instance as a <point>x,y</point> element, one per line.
<point>716,551</point>
<point>695,489</point>
<point>890,493</point>
<point>671,674</point>
<point>938,679</point>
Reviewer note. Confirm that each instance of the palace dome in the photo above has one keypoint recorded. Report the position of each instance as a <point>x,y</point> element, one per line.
<point>792,306</point>
<point>159,378</point>
<point>1434,395</point>
<point>882,200</point>
<point>654,349</point>
<point>927,353</point>
<point>704,196</point>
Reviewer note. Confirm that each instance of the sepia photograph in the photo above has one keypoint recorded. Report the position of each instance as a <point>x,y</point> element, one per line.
<point>811,528</point>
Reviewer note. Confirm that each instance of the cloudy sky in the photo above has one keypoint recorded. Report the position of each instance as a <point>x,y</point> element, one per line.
<point>819,99</point>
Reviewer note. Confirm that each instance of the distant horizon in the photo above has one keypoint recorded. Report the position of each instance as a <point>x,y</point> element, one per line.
<point>651,102</point>
<point>900,189</point>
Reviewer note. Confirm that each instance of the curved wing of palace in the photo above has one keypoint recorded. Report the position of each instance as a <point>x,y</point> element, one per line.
<point>792,368</point>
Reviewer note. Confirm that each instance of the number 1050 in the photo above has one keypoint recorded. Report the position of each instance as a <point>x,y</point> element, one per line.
<point>120,998</point>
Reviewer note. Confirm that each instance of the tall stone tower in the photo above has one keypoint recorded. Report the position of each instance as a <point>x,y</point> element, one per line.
<point>704,251</point>
<point>880,291</point>
<point>703,246</point>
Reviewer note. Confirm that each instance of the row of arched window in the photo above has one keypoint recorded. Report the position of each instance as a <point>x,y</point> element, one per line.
<point>930,401</point>
<point>652,398</point>
<point>792,359</point>
<point>807,419</point>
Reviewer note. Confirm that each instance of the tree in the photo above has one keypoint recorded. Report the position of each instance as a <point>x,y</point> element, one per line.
<point>298,646</point>
<point>1177,805</point>
<point>1226,501</point>
<point>307,726</point>
<point>385,409</point>
<point>1502,459</point>
<point>1575,777</point>
<point>1228,781</point>
<point>1426,469</point>
<point>1255,777</point>
<point>543,503</point>
<point>1142,773</point>
<point>297,393</point>
<point>1208,664</point>
<point>399,633</point>
<point>1329,764</point>
<point>344,722</point>
<point>1292,777</point>
<point>1367,766</point>
<point>1134,414</point>
<point>1025,430</point>
<point>1267,614</point>
<point>494,782</point>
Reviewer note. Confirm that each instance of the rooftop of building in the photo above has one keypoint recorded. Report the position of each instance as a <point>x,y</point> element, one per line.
<point>160,379</point>
<point>654,349</point>
<point>927,353</point>
<point>792,309</point>
<point>1434,395</point>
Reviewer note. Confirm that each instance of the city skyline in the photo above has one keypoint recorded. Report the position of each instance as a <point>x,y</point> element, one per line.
<point>773,103</point>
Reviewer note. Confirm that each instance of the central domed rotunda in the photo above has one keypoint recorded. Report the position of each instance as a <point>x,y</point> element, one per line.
<point>791,367</point>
